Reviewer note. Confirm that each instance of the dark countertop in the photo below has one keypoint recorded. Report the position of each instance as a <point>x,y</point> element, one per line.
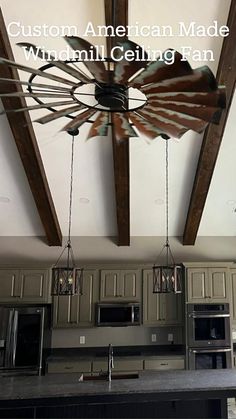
<point>73,354</point>
<point>152,385</point>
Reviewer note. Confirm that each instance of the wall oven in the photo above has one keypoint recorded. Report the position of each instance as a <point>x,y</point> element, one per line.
<point>208,325</point>
<point>205,358</point>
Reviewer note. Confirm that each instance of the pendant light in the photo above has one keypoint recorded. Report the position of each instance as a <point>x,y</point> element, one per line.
<point>68,279</point>
<point>167,278</point>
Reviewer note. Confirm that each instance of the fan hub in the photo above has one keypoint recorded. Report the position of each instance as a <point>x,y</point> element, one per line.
<point>111,96</point>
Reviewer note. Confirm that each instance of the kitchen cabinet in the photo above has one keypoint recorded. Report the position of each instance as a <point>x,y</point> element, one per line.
<point>80,366</point>
<point>164,363</point>
<point>160,309</point>
<point>24,286</point>
<point>233,284</point>
<point>76,310</point>
<point>120,285</point>
<point>208,285</point>
<point>120,364</point>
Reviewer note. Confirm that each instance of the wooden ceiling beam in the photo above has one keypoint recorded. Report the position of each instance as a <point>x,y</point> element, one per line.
<point>226,75</point>
<point>26,143</point>
<point>116,13</point>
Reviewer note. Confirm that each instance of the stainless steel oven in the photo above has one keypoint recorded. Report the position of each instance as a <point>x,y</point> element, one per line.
<point>204,358</point>
<point>208,325</point>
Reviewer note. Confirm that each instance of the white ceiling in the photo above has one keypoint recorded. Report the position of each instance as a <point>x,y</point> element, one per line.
<point>93,176</point>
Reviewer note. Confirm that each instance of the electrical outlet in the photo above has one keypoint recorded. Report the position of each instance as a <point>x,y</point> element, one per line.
<point>170,337</point>
<point>234,335</point>
<point>82,340</point>
<point>154,337</point>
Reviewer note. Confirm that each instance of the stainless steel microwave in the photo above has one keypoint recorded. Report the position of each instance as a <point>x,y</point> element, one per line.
<point>118,314</point>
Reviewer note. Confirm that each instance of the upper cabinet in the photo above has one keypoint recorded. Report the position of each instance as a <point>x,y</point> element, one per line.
<point>24,286</point>
<point>76,310</point>
<point>208,285</point>
<point>120,285</point>
<point>160,309</point>
<point>233,284</point>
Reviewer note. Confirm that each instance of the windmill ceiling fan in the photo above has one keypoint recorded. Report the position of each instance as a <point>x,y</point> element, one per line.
<point>156,98</point>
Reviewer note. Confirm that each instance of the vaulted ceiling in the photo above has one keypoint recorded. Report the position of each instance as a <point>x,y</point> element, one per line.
<point>36,204</point>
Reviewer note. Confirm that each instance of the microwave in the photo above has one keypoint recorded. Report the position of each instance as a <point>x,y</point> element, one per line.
<point>118,314</point>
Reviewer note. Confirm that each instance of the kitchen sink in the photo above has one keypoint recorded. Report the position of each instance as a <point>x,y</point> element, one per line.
<point>114,376</point>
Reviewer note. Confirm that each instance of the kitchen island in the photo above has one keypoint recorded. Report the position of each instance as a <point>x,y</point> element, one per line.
<point>159,394</point>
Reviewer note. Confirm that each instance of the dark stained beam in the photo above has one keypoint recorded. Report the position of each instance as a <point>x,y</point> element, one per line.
<point>226,75</point>
<point>116,13</point>
<point>26,143</point>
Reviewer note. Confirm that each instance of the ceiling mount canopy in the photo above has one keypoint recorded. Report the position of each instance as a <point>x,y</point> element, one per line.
<point>156,98</point>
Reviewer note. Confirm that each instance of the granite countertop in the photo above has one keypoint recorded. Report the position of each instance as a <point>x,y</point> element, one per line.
<point>151,385</point>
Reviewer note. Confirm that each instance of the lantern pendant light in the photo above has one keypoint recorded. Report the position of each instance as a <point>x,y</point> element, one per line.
<point>167,278</point>
<point>68,279</point>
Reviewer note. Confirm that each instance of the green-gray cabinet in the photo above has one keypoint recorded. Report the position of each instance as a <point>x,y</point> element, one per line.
<point>76,310</point>
<point>233,284</point>
<point>120,285</point>
<point>160,309</point>
<point>24,286</point>
<point>206,284</point>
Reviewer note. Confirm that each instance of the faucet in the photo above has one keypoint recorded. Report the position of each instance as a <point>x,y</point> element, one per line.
<point>110,361</point>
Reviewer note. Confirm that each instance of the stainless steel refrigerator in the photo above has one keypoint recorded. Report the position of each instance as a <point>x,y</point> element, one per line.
<point>21,339</point>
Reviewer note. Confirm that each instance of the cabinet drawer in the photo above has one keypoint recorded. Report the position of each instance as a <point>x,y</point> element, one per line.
<point>64,367</point>
<point>119,365</point>
<point>164,364</point>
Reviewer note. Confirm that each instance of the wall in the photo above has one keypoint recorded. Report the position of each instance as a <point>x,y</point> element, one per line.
<point>118,336</point>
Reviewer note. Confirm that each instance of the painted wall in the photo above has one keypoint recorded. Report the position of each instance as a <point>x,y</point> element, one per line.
<point>118,336</point>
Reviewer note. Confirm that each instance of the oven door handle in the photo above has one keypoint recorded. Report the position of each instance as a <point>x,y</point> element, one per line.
<point>200,351</point>
<point>208,316</point>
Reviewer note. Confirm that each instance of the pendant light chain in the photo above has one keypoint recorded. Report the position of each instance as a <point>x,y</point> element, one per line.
<point>71,188</point>
<point>167,194</point>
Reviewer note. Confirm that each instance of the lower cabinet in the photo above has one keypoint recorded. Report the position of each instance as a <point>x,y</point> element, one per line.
<point>119,365</point>
<point>159,363</point>
<point>69,367</point>
<point>160,309</point>
<point>77,310</point>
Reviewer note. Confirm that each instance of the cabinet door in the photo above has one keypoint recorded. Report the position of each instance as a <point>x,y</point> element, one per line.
<point>129,285</point>
<point>218,284</point>
<point>233,282</point>
<point>86,310</point>
<point>151,302</point>
<point>197,283</point>
<point>34,285</point>
<point>171,308</point>
<point>76,310</point>
<point>109,286</point>
<point>9,285</point>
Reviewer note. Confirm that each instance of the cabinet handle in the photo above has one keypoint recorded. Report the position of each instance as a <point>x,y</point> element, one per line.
<point>164,363</point>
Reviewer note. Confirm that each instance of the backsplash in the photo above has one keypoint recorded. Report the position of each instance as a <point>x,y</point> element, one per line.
<point>120,336</point>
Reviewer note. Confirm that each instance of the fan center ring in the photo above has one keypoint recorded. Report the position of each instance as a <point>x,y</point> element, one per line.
<point>111,97</point>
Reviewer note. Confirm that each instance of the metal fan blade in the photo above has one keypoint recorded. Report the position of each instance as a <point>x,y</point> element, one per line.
<point>158,70</point>
<point>144,126</point>
<point>58,114</point>
<point>166,126</point>
<point>183,120</point>
<point>125,69</point>
<point>35,107</point>
<point>100,126</point>
<point>79,120</point>
<point>207,113</point>
<point>40,85</point>
<point>196,82</point>
<point>59,64</point>
<point>123,129</point>
<point>24,94</point>
<point>96,68</point>
<point>35,71</point>
<point>215,99</point>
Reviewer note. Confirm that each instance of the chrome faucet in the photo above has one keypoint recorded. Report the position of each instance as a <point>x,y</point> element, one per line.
<point>110,361</point>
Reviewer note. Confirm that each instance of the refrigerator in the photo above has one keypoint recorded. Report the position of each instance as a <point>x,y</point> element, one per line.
<point>22,340</point>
